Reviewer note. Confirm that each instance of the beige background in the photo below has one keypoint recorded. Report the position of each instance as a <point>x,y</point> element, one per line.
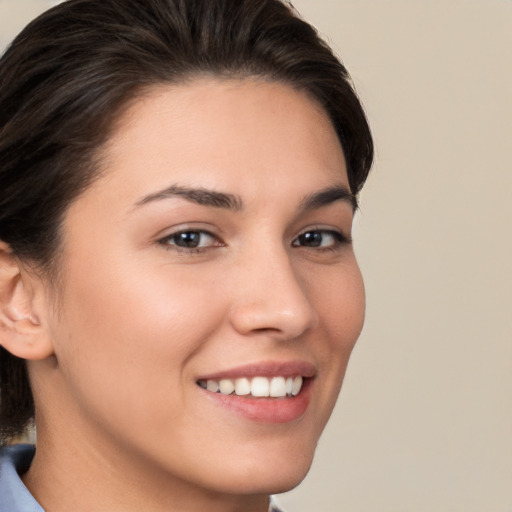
<point>424,422</point>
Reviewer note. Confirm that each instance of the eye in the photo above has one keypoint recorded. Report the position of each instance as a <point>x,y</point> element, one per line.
<point>191,239</point>
<point>320,238</point>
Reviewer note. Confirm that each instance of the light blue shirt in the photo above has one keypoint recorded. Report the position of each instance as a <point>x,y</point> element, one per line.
<point>14,496</point>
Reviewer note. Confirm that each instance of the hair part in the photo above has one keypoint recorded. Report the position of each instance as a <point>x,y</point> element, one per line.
<point>70,73</point>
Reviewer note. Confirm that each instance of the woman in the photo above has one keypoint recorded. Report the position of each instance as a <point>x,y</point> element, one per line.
<point>179,295</point>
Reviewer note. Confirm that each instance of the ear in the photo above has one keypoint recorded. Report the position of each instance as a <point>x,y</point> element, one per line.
<point>22,324</point>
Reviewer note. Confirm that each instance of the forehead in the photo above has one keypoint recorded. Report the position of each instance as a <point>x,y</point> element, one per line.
<point>234,134</point>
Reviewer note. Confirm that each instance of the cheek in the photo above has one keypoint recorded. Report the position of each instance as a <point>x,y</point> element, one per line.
<point>341,305</point>
<point>124,336</point>
<point>348,308</point>
<point>138,307</point>
<point>340,302</point>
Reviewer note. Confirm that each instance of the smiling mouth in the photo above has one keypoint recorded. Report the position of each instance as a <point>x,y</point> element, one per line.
<point>257,387</point>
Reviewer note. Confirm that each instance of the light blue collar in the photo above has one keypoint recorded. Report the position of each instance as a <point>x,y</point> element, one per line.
<point>14,496</point>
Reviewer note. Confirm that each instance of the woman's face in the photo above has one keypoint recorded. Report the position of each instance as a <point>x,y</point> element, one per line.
<point>213,251</point>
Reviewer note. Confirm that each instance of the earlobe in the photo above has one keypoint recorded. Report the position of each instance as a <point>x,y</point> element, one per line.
<point>22,330</point>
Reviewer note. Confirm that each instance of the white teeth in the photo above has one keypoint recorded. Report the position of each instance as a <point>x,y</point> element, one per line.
<point>278,387</point>
<point>242,387</point>
<point>297,385</point>
<point>212,385</point>
<point>261,387</point>
<point>226,386</point>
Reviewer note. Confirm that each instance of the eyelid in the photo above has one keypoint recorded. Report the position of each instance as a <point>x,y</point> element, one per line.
<point>182,227</point>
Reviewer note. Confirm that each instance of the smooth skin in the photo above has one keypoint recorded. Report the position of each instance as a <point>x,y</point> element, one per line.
<point>140,313</point>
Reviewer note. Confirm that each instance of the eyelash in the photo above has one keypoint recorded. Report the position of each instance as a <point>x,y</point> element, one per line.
<point>338,239</point>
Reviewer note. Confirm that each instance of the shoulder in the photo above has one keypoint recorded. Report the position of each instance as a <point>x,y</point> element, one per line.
<point>274,507</point>
<point>14,496</point>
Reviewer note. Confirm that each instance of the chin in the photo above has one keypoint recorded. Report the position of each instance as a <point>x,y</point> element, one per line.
<point>271,476</point>
<point>268,483</point>
<point>286,482</point>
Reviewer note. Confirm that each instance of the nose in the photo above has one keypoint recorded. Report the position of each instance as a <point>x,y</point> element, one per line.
<point>271,299</point>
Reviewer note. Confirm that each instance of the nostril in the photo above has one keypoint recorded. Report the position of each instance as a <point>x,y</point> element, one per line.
<point>272,324</point>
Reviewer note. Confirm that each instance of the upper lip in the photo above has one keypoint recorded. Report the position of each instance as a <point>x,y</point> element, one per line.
<point>265,369</point>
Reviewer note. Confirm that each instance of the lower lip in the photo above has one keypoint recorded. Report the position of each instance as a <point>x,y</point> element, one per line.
<point>266,410</point>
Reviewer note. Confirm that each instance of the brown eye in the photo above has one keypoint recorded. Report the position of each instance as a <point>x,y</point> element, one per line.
<point>311,239</point>
<point>191,239</point>
<point>319,238</point>
<point>187,239</point>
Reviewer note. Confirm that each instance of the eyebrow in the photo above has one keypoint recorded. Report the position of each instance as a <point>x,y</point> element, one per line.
<point>327,196</point>
<point>212,198</point>
<point>202,196</point>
